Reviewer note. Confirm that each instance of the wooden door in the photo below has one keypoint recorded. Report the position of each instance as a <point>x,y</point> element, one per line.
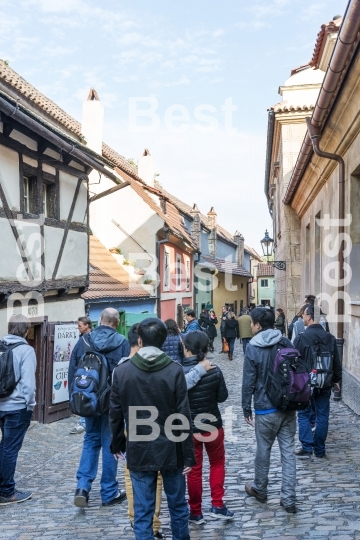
<point>37,339</point>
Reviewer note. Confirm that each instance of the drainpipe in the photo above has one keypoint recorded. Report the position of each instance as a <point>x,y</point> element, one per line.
<point>158,288</point>
<point>315,135</point>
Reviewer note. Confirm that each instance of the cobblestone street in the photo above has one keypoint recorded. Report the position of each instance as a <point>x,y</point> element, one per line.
<point>328,492</point>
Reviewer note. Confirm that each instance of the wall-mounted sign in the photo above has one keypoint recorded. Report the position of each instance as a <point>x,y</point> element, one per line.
<point>65,338</point>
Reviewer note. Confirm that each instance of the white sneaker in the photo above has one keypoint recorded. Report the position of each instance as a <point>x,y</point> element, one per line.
<point>77,429</point>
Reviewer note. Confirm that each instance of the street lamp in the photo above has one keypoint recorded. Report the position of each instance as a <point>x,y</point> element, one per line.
<point>267,244</point>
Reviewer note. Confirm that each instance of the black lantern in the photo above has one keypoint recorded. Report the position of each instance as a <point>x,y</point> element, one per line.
<point>267,247</point>
<point>266,244</point>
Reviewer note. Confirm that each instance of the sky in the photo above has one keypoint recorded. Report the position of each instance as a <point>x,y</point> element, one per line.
<point>191,81</point>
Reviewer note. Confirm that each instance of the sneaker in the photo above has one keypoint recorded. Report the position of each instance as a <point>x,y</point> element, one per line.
<point>197,520</point>
<point>324,456</point>
<point>289,509</point>
<point>303,453</point>
<point>16,497</point>
<point>77,429</point>
<point>120,497</point>
<point>81,498</point>
<point>159,534</point>
<point>252,493</point>
<point>221,513</point>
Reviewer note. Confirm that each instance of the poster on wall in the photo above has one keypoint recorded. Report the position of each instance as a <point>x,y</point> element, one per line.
<point>65,338</point>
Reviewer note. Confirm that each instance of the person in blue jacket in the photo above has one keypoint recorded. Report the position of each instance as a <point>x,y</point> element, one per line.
<point>172,345</point>
<point>192,323</point>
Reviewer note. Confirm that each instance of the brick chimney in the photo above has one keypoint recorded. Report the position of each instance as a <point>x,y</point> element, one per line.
<point>239,255</point>
<point>212,236</point>
<point>196,226</point>
<point>146,168</point>
<point>93,121</point>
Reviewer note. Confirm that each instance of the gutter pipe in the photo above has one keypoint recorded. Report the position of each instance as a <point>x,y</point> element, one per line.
<point>13,111</point>
<point>344,49</point>
<point>269,145</point>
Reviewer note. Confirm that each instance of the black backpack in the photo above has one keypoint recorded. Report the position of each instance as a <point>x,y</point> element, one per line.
<point>91,385</point>
<point>287,383</point>
<point>8,382</point>
<point>322,362</point>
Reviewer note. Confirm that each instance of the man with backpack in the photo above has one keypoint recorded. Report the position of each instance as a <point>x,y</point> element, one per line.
<point>17,401</point>
<point>104,346</point>
<point>270,423</point>
<point>319,349</point>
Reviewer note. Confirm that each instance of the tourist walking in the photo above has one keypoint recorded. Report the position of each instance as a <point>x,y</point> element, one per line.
<point>172,345</point>
<point>106,340</point>
<point>245,329</point>
<point>150,382</point>
<point>211,330</point>
<point>17,407</point>
<point>231,332</point>
<point>315,341</point>
<point>224,313</point>
<point>270,423</point>
<point>208,434</point>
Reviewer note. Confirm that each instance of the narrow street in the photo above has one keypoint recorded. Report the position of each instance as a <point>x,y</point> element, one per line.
<point>328,492</point>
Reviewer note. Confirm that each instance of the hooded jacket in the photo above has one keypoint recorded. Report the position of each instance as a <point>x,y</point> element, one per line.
<point>258,356</point>
<point>24,361</point>
<point>245,326</point>
<point>105,340</point>
<point>205,396</point>
<point>156,385</point>
<point>231,328</point>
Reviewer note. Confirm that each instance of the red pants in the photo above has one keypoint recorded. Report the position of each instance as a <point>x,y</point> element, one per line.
<point>216,452</point>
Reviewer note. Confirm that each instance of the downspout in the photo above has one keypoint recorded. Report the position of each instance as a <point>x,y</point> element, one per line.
<point>158,288</point>
<point>315,135</point>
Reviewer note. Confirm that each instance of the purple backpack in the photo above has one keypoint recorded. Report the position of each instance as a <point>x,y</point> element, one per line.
<point>287,383</point>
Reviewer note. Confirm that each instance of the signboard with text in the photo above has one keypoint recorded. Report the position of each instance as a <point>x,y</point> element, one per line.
<point>65,338</point>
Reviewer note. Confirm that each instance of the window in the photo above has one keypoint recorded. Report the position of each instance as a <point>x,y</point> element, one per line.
<point>178,272</point>
<point>188,274</point>
<point>264,283</point>
<point>166,269</point>
<point>26,194</point>
<point>29,195</point>
<point>49,200</point>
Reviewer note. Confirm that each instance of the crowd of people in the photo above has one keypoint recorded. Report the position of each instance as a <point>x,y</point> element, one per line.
<point>163,410</point>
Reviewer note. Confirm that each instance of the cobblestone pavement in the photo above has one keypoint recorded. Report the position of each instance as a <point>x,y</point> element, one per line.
<point>328,493</point>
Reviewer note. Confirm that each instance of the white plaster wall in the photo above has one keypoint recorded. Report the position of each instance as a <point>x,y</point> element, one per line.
<point>9,177</point>
<point>74,258</point>
<point>11,266</point>
<point>62,311</point>
<point>67,190</point>
<point>30,143</point>
<point>128,209</point>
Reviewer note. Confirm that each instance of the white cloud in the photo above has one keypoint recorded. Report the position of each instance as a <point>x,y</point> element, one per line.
<point>218,33</point>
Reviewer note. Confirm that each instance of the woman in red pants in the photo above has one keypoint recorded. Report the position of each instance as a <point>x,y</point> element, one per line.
<point>207,429</point>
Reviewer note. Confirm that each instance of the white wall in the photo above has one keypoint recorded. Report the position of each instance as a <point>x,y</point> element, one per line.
<point>67,190</point>
<point>74,258</point>
<point>9,176</point>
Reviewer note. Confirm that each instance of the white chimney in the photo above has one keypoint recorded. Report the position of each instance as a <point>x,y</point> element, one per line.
<point>146,168</point>
<point>93,121</point>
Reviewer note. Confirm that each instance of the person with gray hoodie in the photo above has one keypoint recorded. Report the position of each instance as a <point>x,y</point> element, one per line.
<point>270,423</point>
<point>16,409</point>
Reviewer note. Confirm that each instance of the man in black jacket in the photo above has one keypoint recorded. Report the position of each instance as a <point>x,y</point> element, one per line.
<point>149,394</point>
<point>320,400</point>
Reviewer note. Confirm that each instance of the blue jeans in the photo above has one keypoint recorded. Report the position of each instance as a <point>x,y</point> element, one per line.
<point>231,342</point>
<point>320,403</point>
<point>144,489</point>
<point>13,425</point>
<point>245,341</point>
<point>97,436</point>
<point>268,427</point>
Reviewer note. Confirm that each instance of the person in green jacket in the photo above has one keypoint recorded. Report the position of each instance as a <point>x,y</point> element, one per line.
<point>245,329</point>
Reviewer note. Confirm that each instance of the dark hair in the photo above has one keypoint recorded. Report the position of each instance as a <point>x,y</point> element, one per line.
<point>310,298</point>
<point>191,313</point>
<point>197,343</point>
<point>133,335</point>
<point>85,320</point>
<point>310,310</point>
<point>263,316</point>
<point>152,332</point>
<point>302,309</point>
<point>280,310</point>
<point>18,325</point>
<point>172,327</point>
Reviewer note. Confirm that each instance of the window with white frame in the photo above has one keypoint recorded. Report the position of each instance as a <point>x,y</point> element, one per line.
<point>264,283</point>
<point>166,269</point>
<point>188,274</point>
<point>178,272</point>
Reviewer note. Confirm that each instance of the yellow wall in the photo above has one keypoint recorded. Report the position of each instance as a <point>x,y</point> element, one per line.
<point>222,296</point>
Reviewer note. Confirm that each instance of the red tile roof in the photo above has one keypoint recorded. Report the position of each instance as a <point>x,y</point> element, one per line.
<point>225,267</point>
<point>108,279</point>
<point>286,107</point>
<point>265,269</point>
<point>327,28</point>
